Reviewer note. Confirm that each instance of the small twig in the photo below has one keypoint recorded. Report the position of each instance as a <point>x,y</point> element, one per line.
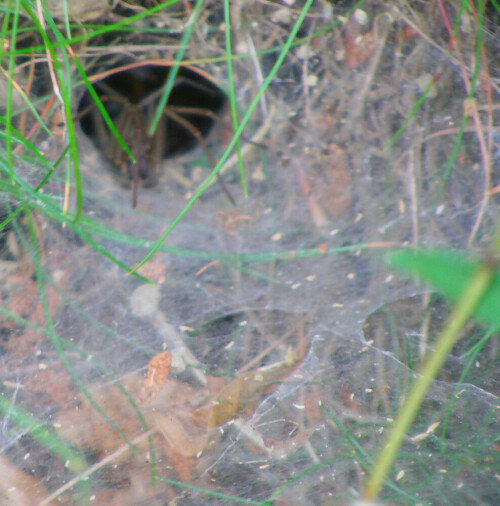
<point>255,141</point>
<point>96,467</point>
<point>258,71</point>
<point>446,131</point>
<point>179,348</point>
<point>29,83</point>
<point>274,344</point>
<point>414,195</point>
<point>50,63</point>
<point>382,26</point>
<point>471,107</point>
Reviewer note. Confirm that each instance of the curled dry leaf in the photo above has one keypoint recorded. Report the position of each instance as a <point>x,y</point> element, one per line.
<point>189,430</point>
<point>157,375</point>
<point>186,417</point>
<point>242,396</point>
<point>172,412</point>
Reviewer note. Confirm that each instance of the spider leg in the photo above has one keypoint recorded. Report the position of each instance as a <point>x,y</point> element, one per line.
<point>199,137</point>
<point>199,111</point>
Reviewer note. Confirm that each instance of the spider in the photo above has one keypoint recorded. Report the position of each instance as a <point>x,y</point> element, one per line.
<point>130,98</point>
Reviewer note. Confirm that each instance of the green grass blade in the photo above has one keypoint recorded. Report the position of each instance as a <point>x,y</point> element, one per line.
<point>236,136</point>
<point>479,280</point>
<point>451,272</point>
<point>102,109</point>
<point>459,385</point>
<point>232,98</point>
<point>12,60</point>
<point>126,22</point>
<point>64,92</point>
<point>54,338</point>
<point>20,139</point>
<point>477,287</point>
<point>174,70</point>
<point>470,98</point>
<point>75,462</point>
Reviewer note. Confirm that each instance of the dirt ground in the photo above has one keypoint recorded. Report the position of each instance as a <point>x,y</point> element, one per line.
<point>268,356</point>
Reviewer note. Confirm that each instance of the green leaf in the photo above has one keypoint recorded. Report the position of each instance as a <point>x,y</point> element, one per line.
<point>450,272</point>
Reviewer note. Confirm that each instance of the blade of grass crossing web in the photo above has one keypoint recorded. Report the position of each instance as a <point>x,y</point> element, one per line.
<point>229,499</point>
<point>29,105</point>
<point>174,70</point>
<point>472,361</point>
<point>54,338</point>
<point>25,143</point>
<point>12,60</point>
<point>232,98</point>
<point>22,321</point>
<point>30,198</point>
<point>237,134</point>
<point>102,109</point>
<point>464,309</point>
<point>12,215</point>
<point>66,87</point>
<point>66,19</point>
<point>412,113</point>
<point>36,429</point>
<point>65,91</point>
<point>470,98</point>
<point>43,182</point>
<point>109,256</point>
<point>5,24</point>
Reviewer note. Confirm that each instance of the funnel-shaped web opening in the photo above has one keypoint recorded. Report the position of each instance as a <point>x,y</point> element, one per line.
<point>130,98</point>
<point>142,87</point>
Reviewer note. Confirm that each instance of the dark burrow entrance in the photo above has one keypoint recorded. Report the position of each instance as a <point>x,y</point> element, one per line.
<point>130,98</point>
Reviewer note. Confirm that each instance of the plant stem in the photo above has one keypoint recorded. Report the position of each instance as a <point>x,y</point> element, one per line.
<point>449,336</point>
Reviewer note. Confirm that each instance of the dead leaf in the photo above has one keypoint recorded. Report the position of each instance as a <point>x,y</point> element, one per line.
<point>187,418</point>
<point>243,394</point>
<point>54,384</point>
<point>84,427</point>
<point>182,435</point>
<point>312,403</point>
<point>281,449</point>
<point>359,46</point>
<point>158,369</point>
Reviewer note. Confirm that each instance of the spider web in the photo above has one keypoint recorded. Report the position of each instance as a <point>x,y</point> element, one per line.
<point>300,260</point>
